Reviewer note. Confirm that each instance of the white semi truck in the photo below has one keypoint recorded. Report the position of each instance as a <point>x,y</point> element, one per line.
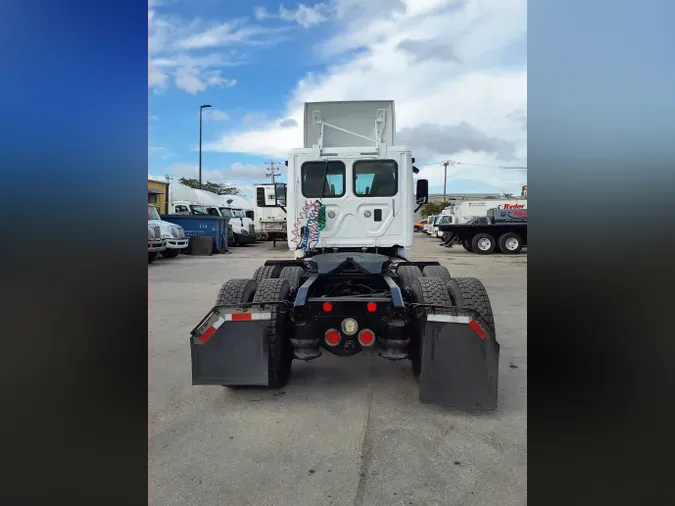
<point>235,207</point>
<point>351,288</point>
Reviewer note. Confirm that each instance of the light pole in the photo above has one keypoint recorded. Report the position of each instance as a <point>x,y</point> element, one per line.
<point>201,108</point>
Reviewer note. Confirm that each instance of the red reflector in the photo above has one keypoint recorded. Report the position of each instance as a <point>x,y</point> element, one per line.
<point>366,338</point>
<point>332,337</point>
<point>371,307</point>
<point>207,335</point>
<point>327,307</point>
<point>241,316</point>
<point>477,329</point>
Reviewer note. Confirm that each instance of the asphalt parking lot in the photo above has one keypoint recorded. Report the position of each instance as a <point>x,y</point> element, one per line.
<point>344,431</point>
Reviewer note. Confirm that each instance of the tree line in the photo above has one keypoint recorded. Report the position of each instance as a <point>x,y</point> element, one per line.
<point>218,189</point>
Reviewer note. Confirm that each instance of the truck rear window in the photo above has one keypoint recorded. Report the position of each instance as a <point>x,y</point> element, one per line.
<point>375,178</point>
<point>312,174</point>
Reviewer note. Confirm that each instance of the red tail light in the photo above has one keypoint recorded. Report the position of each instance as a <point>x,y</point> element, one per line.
<point>371,307</point>
<point>327,307</point>
<point>366,338</point>
<point>332,337</point>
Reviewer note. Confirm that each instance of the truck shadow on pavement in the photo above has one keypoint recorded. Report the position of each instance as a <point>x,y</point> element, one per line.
<point>335,381</point>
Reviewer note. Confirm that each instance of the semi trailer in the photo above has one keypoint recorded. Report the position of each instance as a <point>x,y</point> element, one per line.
<point>350,286</point>
<point>270,219</point>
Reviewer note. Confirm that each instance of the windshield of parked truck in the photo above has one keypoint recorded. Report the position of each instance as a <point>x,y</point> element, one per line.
<point>225,212</point>
<point>238,213</point>
<point>199,211</point>
<point>152,213</point>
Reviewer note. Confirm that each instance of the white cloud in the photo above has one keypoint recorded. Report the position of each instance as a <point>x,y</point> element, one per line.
<point>176,50</point>
<point>230,33</point>
<point>215,115</point>
<point>400,57</point>
<point>305,15</point>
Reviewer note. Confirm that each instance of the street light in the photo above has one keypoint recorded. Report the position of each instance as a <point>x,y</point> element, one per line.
<point>201,108</point>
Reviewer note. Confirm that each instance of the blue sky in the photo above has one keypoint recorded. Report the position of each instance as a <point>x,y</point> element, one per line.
<point>457,71</point>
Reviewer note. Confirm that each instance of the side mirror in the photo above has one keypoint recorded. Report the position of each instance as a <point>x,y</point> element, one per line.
<point>280,194</point>
<point>422,192</point>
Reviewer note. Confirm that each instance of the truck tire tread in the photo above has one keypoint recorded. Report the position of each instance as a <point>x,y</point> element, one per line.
<point>426,290</point>
<point>280,353</point>
<point>436,271</point>
<point>264,272</point>
<point>235,291</point>
<point>470,293</point>
<point>407,274</point>
<point>293,274</point>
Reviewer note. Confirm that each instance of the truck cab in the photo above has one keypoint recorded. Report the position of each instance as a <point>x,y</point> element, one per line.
<point>362,187</point>
<point>443,219</point>
<point>241,234</point>
<point>173,235</point>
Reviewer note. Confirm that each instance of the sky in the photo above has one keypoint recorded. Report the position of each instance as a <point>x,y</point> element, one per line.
<point>457,71</point>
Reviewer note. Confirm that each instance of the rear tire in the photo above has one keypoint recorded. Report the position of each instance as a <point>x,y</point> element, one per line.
<point>437,271</point>
<point>263,272</point>
<point>170,253</point>
<point>510,243</point>
<point>470,293</point>
<point>425,291</point>
<point>294,276</point>
<point>483,244</point>
<point>237,291</point>
<point>467,246</point>
<point>280,352</point>
<point>407,274</point>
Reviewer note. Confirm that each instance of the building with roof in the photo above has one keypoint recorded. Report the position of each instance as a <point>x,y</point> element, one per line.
<point>158,191</point>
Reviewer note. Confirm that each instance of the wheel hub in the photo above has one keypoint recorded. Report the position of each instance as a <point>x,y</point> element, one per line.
<point>484,244</point>
<point>511,243</point>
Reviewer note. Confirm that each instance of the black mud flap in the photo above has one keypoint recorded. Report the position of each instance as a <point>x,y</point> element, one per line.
<point>229,347</point>
<point>460,362</point>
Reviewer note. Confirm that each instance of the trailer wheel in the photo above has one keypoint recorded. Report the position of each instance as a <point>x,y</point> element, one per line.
<point>470,293</point>
<point>294,275</point>
<point>510,243</point>
<point>236,291</point>
<point>437,271</point>
<point>426,291</point>
<point>467,246</point>
<point>407,274</point>
<point>483,244</point>
<point>280,352</point>
<point>151,256</point>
